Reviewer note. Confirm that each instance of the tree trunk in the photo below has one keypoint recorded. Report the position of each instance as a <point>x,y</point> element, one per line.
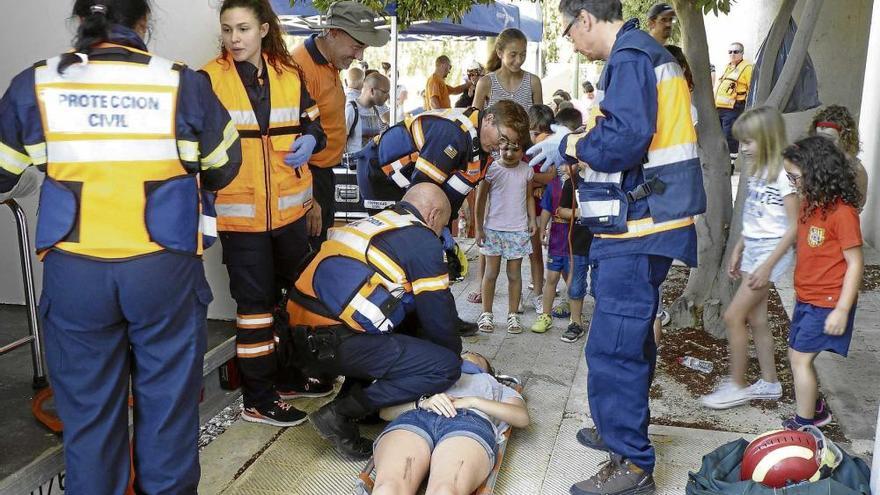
<point>706,285</point>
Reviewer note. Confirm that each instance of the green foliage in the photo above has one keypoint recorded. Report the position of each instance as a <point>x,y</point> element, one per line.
<point>714,6</point>
<point>409,11</point>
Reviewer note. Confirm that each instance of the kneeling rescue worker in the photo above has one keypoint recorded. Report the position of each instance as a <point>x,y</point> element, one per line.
<point>371,281</point>
<point>126,139</point>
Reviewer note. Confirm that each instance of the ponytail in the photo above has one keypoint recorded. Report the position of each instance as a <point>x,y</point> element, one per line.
<point>96,19</point>
<point>505,37</point>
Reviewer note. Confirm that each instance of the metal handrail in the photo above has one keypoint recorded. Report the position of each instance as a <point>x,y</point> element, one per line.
<point>27,275</point>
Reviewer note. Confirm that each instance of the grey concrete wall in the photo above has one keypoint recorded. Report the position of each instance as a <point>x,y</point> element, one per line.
<point>869,124</point>
<point>184,30</point>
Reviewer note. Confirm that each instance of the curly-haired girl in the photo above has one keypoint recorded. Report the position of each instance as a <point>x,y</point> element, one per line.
<point>836,123</point>
<point>829,266</point>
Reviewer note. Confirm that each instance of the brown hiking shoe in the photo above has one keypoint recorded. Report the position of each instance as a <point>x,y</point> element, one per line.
<point>617,476</point>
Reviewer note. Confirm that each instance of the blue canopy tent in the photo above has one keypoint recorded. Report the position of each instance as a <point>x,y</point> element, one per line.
<point>479,21</point>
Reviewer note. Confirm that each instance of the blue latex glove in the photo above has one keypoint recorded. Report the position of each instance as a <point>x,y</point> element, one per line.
<point>547,151</point>
<point>301,151</point>
<point>446,237</point>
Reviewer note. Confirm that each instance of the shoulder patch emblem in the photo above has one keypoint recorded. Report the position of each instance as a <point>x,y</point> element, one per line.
<point>451,152</point>
<point>816,236</point>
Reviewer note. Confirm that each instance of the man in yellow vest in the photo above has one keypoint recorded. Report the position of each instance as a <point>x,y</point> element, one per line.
<point>731,92</point>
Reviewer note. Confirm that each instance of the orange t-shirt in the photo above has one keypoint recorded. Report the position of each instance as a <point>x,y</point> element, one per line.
<point>436,86</point>
<point>322,81</point>
<point>818,274</point>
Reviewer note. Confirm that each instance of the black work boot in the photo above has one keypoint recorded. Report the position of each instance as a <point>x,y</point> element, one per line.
<point>465,328</point>
<point>617,476</point>
<point>338,428</point>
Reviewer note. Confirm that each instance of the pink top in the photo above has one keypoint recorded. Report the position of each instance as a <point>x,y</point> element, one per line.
<point>508,188</point>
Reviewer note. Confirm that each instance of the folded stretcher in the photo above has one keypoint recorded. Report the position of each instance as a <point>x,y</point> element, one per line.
<point>365,480</point>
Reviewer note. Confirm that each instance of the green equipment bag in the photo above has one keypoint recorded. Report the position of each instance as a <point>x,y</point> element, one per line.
<point>720,475</point>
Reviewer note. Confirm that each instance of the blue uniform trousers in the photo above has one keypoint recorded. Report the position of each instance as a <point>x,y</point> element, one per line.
<point>621,352</point>
<point>108,324</point>
<point>728,116</point>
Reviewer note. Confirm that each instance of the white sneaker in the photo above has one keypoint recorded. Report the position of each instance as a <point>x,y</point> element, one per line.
<point>486,322</point>
<point>538,302</point>
<point>726,395</point>
<point>513,323</point>
<point>765,390</point>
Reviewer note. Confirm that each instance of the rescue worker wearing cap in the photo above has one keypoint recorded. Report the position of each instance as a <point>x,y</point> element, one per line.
<point>346,30</point>
<point>127,140</point>
<point>265,216</point>
<point>372,280</point>
<point>642,188</point>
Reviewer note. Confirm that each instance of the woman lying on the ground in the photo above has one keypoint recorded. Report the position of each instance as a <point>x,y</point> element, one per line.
<point>454,434</point>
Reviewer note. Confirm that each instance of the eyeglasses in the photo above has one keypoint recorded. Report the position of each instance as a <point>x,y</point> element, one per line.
<point>385,91</point>
<point>731,52</point>
<point>565,32</point>
<point>794,179</point>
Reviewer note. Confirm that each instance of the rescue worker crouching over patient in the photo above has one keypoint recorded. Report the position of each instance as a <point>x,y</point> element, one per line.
<point>372,281</point>
<point>267,213</point>
<point>124,296</point>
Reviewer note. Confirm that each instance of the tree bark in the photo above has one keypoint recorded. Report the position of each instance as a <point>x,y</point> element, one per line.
<point>705,288</point>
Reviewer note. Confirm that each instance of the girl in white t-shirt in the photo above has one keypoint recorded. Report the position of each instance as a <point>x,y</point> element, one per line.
<point>506,231</point>
<point>763,254</point>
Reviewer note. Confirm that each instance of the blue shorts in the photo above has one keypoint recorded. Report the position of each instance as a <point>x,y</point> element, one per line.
<point>807,332</point>
<point>558,264</point>
<point>577,282</point>
<point>434,428</point>
<point>756,252</point>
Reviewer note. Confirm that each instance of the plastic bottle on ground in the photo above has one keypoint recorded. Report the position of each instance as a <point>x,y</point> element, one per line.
<point>696,364</point>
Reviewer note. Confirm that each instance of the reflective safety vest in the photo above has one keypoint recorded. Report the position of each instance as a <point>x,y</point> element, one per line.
<point>671,169</point>
<point>386,165</point>
<point>733,85</point>
<point>118,183</point>
<point>352,282</point>
<point>267,193</point>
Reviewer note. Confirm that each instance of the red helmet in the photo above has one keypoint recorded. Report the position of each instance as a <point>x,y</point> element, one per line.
<point>781,457</point>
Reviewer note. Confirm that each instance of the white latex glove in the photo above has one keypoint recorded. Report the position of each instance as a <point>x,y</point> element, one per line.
<point>547,151</point>
<point>30,181</point>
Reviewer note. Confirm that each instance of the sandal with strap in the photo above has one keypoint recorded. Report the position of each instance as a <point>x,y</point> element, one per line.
<point>475,297</point>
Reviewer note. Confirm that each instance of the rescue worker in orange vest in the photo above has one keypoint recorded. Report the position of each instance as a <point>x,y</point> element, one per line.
<point>346,31</point>
<point>267,213</point>
<point>372,280</point>
<point>127,140</point>
<point>731,93</point>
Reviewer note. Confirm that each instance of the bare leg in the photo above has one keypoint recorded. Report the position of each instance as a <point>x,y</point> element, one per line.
<point>490,276</point>
<point>577,309</point>
<point>658,330</point>
<point>402,460</point>
<point>735,319</point>
<point>514,285</point>
<point>536,262</point>
<point>459,466</point>
<point>550,283</point>
<point>765,346</point>
<point>806,387</point>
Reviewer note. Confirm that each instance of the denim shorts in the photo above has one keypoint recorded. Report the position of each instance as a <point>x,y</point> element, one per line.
<point>577,283</point>
<point>756,251</point>
<point>807,332</point>
<point>558,264</point>
<point>434,428</point>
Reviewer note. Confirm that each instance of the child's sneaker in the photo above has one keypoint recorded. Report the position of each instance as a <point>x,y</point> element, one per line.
<point>819,420</point>
<point>573,333</point>
<point>513,323</point>
<point>538,303</point>
<point>726,395</point>
<point>279,413</point>
<point>764,390</point>
<point>664,318</point>
<point>543,323</point>
<point>486,322</point>
<point>822,416</point>
<point>562,310</point>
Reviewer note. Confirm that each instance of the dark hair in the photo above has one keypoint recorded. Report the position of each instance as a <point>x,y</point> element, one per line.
<point>849,130</point>
<point>541,118</point>
<point>386,66</point>
<point>570,117</point>
<point>273,43</point>
<point>490,370</point>
<point>604,10</point>
<point>587,87</point>
<point>682,60</point>
<point>827,176</point>
<point>370,71</point>
<point>513,116</point>
<point>505,38</point>
<point>96,17</point>
<point>562,94</point>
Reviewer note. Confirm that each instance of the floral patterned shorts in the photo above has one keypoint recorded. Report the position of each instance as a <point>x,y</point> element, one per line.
<point>508,245</point>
